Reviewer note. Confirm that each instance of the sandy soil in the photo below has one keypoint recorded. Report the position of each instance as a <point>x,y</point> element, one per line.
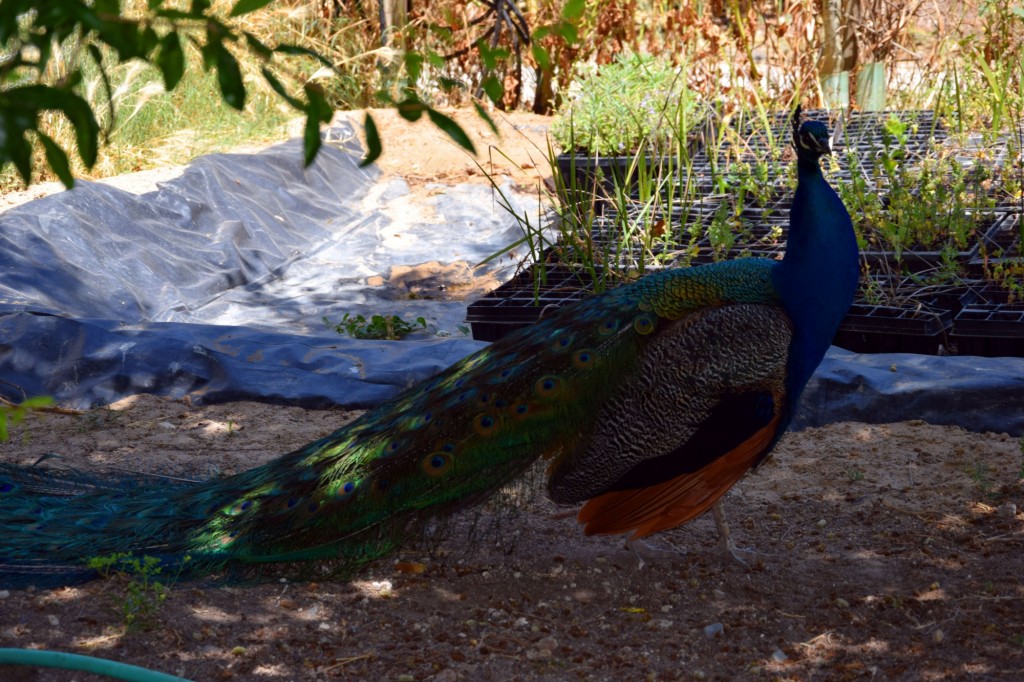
<point>886,552</point>
<point>880,552</point>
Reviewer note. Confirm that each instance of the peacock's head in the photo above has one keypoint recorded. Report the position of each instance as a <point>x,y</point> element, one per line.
<point>810,137</point>
<point>813,137</point>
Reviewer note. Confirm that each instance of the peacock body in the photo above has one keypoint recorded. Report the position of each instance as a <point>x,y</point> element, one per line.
<point>650,401</point>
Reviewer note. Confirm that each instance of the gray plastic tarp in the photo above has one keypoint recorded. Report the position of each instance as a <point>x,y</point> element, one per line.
<point>214,286</point>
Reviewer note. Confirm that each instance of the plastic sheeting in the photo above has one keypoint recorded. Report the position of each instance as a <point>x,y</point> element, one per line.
<point>214,287</point>
<point>216,284</point>
<point>978,394</point>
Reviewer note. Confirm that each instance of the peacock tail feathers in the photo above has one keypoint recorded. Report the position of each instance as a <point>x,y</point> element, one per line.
<point>648,401</point>
<point>353,495</point>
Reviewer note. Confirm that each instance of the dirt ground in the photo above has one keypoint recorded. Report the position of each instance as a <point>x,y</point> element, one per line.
<point>888,552</point>
<point>880,552</point>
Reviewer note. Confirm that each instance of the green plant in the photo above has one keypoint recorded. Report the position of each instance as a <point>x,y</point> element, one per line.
<point>45,52</point>
<point>389,327</point>
<point>144,592</point>
<point>634,103</point>
<point>980,475</point>
<point>15,414</point>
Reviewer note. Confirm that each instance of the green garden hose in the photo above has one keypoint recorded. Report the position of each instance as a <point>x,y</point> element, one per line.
<point>98,666</point>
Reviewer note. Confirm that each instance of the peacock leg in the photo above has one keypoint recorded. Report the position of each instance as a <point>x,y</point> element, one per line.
<point>725,541</point>
<point>647,554</point>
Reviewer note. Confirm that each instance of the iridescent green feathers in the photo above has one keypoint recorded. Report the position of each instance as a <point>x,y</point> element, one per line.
<point>443,444</point>
<point>650,401</point>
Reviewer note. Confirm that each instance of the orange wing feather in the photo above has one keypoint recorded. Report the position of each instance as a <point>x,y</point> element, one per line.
<point>645,511</point>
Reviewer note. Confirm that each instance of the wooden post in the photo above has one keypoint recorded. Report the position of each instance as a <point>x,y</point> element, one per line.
<point>839,51</point>
<point>394,15</point>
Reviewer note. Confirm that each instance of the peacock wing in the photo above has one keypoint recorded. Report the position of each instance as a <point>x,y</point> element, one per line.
<point>704,405</point>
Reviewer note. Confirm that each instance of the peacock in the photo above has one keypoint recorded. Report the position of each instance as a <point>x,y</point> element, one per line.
<point>649,402</point>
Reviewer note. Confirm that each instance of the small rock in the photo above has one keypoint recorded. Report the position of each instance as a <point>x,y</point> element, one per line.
<point>713,630</point>
<point>779,656</point>
<point>4,594</point>
<point>54,620</point>
<point>406,677</point>
<point>167,425</point>
<point>938,636</point>
<point>1007,509</point>
<point>446,675</point>
<point>324,626</point>
<point>547,643</point>
<point>699,674</point>
<point>842,603</point>
<point>534,654</point>
<point>660,623</point>
<point>521,622</point>
<point>718,594</point>
<point>822,523</point>
<point>238,651</point>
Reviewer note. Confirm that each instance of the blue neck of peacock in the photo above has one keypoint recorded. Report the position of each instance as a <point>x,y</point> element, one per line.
<point>818,275</point>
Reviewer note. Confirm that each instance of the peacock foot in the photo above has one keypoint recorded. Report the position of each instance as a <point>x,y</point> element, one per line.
<point>728,548</point>
<point>646,554</point>
<point>726,544</point>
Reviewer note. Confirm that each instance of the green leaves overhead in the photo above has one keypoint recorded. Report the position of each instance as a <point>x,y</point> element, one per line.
<point>20,111</point>
<point>36,35</point>
<point>171,60</point>
<point>245,6</point>
<point>229,75</point>
<point>452,129</point>
<point>32,33</point>
<point>373,145</point>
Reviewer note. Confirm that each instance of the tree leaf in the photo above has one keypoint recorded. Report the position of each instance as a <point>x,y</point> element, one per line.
<point>257,46</point>
<point>317,111</point>
<point>482,113</point>
<point>171,60</point>
<point>245,6</point>
<point>494,89</point>
<point>411,108</point>
<point>573,9</point>
<point>413,65</point>
<point>15,149</point>
<point>57,160</point>
<point>452,128</point>
<point>298,51</point>
<point>311,136</point>
<point>540,55</point>
<point>229,76</point>
<point>373,146</point>
<point>277,86</point>
<point>97,57</point>
<point>569,32</point>
<point>318,105</point>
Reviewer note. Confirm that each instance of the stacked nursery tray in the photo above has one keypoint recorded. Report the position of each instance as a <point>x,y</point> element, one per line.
<point>915,298</point>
